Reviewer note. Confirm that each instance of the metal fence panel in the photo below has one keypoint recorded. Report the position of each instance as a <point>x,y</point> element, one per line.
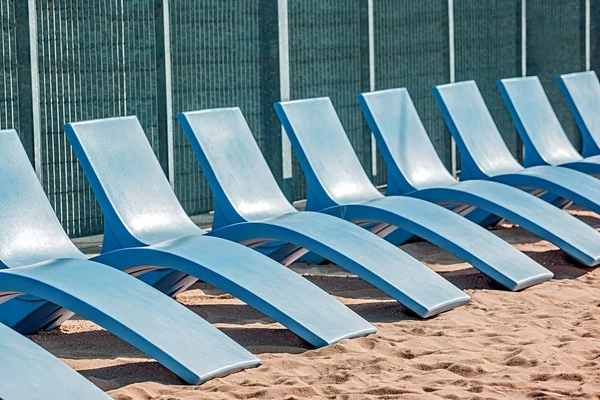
<point>96,59</point>
<point>103,58</point>
<point>595,36</point>
<point>9,112</point>
<point>412,51</point>
<point>328,42</point>
<point>556,45</point>
<point>220,58</point>
<point>487,48</point>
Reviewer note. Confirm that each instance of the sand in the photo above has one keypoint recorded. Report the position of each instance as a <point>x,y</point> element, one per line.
<point>543,342</point>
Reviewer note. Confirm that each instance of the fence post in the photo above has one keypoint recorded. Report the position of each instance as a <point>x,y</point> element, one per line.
<point>523,30</point>
<point>452,76</point>
<point>587,35</point>
<point>371,46</point>
<point>270,83</point>
<point>28,82</point>
<point>284,93</point>
<point>164,89</point>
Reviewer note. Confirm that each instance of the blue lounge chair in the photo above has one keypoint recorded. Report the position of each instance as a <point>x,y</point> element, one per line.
<point>39,259</point>
<point>144,219</point>
<point>546,143</point>
<point>250,208</point>
<point>339,186</point>
<point>484,154</point>
<point>582,90</point>
<point>28,372</point>
<point>414,169</point>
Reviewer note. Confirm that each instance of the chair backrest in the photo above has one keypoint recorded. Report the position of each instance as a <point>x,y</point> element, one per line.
<point>582,90</point>
<point>411,159</point>
<point>29,230</point>
<point>136,198</point>
<point>333,171</point>
<point>543,136</point>
<point>483,152</point>
<point>242,183</point>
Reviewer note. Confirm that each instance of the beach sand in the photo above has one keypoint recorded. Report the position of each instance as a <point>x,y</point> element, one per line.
<point>543,342</point>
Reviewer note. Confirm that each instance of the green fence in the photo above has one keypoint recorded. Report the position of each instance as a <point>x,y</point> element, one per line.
<point>96,60</point>
<point>488,47</point>
<point>221,57</point>
<point>556,45</point>
<point>328,42</point>
<point>9,97</point>
<point>412,50</point>
<point>67,61</point>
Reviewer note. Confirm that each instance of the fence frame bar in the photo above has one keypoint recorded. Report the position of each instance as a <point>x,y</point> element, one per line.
<point>587,35</point>
<point>28,82</point>
<point>284,92</point>
<point>164,89</point>
<point>371,19</point>
<point>452,61</point>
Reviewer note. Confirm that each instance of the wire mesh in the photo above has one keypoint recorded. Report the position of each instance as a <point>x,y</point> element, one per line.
<point>9,101</point>
<point>216,62</point>
<point>556,45</point>
<point>487,36</point>
<point>595,35</point>
<point>96,59</point>
<point>412,51</point>
<point>327,40</point>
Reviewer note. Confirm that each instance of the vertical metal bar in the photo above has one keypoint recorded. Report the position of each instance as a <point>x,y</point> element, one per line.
<point>587,35</point>
<point>267,30</point>
<point>164,89</point>
<point>523,54</point>
<point>371,46</point>
<point>35,90</point>
<point>284,91</point>
<point>123,95</point>
<point>452,76</point>
<point>372,82</point>
<point>523,37</point>
<point>28,81</point>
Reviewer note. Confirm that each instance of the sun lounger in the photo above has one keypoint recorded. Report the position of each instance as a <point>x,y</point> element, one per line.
<point>40,260</point>
<point>582,91</point>
<point>339,186</point>
<point>28,372</point>
<point>250,208</point>
<point>484,154</point>
<point>546,143</point>
<point>414,169</point>
<point>143,217</point>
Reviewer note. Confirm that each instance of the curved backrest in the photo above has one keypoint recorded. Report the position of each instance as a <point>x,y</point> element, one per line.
<point>411,160</point>
<point>244,186</point>
<point>543,136</point>
<point>334,173</point>
<point>582,90</point>
<point>29,230</point>
<point>483,152</point>
<point>136,199</point>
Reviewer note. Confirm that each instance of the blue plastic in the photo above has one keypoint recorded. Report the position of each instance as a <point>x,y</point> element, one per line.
<point>484,154</point>
<point>582,91</point>
<point>28,372</point>
<point>546,143</point>
<point>339,186</point>
<point>39,259</point>
<point>250,208</point>
<point>148,225</point>
<point>414,169</point>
